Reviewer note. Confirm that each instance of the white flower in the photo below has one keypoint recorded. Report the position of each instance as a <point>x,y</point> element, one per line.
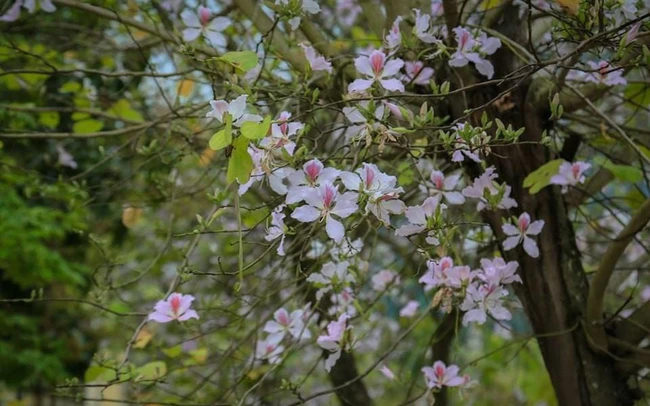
<point>333,340</point>
<point>379,188</point>
<point>236,108</point>
<point>312,175</point>
<point>284,323</point>
<point>421,218</point>
<point>443,186</point>
<point>410,309</point>
<point>324,203</point>
<point>440,375</point>
<point>316,62</point>
<point>570,174</point>
<point>376,69</point>
<point>417,73</point>
<point>199,23</point>
<point>382,279</point>
<point>281,133</point>
<point>470,49</point>
<point>394,37</point>
<point>521,233</point>
<point>422,26</point>
<point>331,274</point>
<point>270,349</point>
<point>484,189</point>
<point>498,272</point>
<point>481,300</point>
<point>437,273</point>
<point>277,229</point>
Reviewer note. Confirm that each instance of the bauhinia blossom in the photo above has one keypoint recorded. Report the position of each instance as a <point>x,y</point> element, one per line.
<point>443,187</point>
<point>284,323</point>
<point>422,28</point>
<point>393,39</point>
<point>332,274</point>
<point>437,273</point>
<point>270,349</point>
<point>498,272</point>
<point>522,232</point>
<point>277,229</point>
<point>570,174</point>
<point>175,307</point>
<point>236,108</point>
<point>378,188</point>
<point>488,194</point>
<point>281,132</point>
<point>481,300</point>
<point>376,69</point>
<point>13,13</point>
<point>410,309</point>
<point>382,279</point>
<point>324,203</point>
<point>441,375</point>
<point>473,50</point>
<point>199,23</point>
<point>316,61</point>
<point>306,6</point>
<point>600,72</point>
<point>312,175</point>
<point>417,73</point>
<point>422,218</point>
<point>334,340</point>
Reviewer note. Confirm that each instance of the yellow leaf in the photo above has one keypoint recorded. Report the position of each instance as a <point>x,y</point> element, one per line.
<point>200,355</point>
<point>490,4</point>
<point>206,156</point>
<point>572,6</point>
<point>185,87</point>
<point>131,216</point>
<point>143,338</point>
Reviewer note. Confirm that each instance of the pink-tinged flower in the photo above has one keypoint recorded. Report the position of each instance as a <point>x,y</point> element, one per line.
<point>471,49</point>
<point>443,186</point>
<point>65,158</point>
<point>362,127</point>
<point>236,108</point>
<point>331,275</point>
<point>284,323</point>
<point>281,132</point>
<point>498,272</point>
<point>522,232</point>
<point>312,175</point>
<point>422,28</point>
<point>481,300</point>
<point>376,69</point>
<point>570,174</point>
<point>460,276</point>
<point>437,10</point>
<point>176,307</point>
<point>347,11</point>
<point>316,61</point>
<point>422,218</point>
<point>382,279</point>
<point>324,203</point>
<point>396,111</point>
<point>277,229</point>
<point>200,23</point>
<point>417,73</point>
<point>462,148</point>
<point>604,74</point>
<point>263,168</point>
<point>437,273</point>
<point>393,39</point>
<point>387,372</point>
<point>13,13</point>
<point>483,188</point>
<point>379,188</point>
<point>269,349</point>
<point>441,375</point>
<point>333,340</point>
<point>633,33</point>
<point>410,309</point>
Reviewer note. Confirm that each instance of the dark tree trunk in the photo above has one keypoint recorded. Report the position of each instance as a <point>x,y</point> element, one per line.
<point>345,374</point>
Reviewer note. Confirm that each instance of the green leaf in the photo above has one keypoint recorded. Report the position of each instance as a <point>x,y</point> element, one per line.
<point>152,371</point>
<point>626,173</point>
<point>256,131</point>
<point>222,139</point>
<point>240,165</point>
<point>242,61</point>
<point>49,119</point>
<point>70,87</point>
<point>174,351</point>
<point>99,373</point>
<point>541,177</point>
<point>122,110</point>
<point>87,126</point>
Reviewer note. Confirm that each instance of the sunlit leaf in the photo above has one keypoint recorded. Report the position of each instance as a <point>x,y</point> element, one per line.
<point>152,371</point>
<point>87,126</point>
<point>49,119</point>
<point>122,109</point>
<point>240,164</point>
<point>131,216</point>
<point>541,177</point>
<point>256,131</point>
<point>242,61</point>
<point>185,87</point>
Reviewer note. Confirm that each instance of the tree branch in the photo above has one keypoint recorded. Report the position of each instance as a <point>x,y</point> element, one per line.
<point>595,328</point>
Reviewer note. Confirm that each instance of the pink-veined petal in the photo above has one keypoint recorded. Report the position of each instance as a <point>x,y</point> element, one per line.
<point>334,229</point>
<point>530,246</point>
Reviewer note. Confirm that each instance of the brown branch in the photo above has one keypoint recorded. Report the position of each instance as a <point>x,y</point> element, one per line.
<point>595,328</point>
